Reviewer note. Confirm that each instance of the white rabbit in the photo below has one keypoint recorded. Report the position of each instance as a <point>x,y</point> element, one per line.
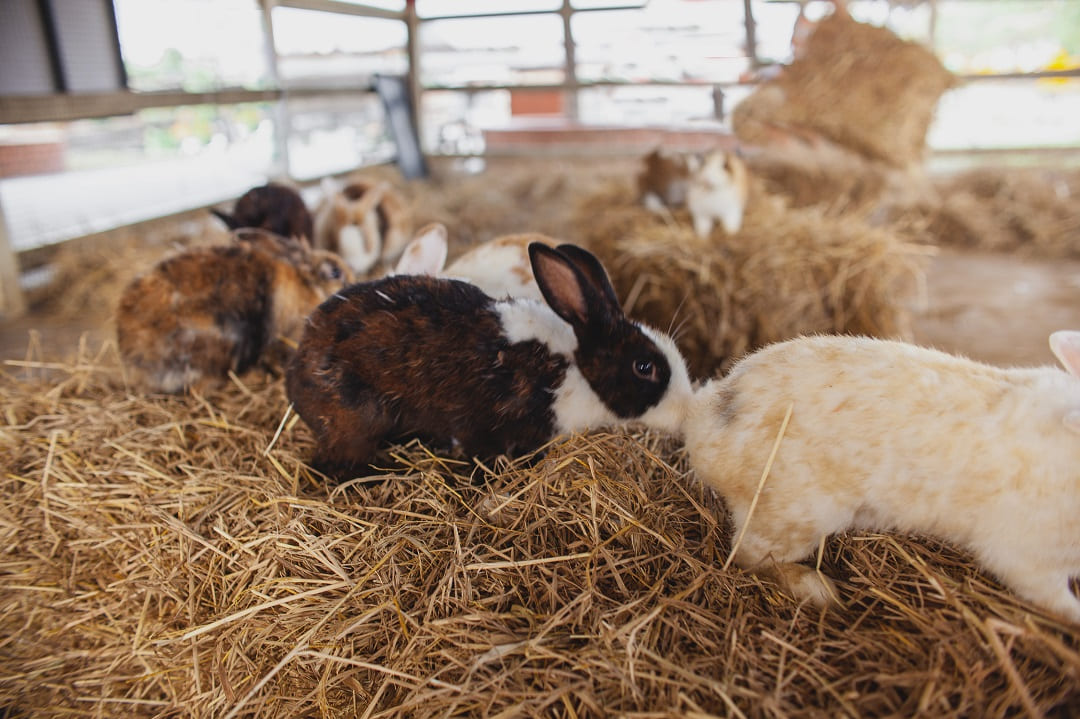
<point>500,267</point>
<point>717,191</point>
<point>888,435</point>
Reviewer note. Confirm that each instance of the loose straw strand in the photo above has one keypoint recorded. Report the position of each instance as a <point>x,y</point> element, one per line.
<point>761,485</point>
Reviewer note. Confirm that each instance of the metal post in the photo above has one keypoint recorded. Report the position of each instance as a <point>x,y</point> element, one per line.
<point>571,81</point>
<point>412,49</point>
<point>933,25</point>
<point>279,167</point>
<point>751,36</point>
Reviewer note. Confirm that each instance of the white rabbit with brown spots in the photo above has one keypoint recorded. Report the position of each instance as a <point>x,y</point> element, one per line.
<point>886,435</point>
<point>662,180</point>
<point>365,222</point>
<point>500,267</point>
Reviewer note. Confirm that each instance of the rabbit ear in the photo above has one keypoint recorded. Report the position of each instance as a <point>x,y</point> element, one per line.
<point>371,198</point>
<point>594,272</point>
<point>426,253</point>
<point>1065,345</point>
<point>567,291</point>
<point>560,283</point>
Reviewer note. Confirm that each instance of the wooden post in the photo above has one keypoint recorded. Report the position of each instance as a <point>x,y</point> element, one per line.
<point>12,303</point>
<point>571,81</point>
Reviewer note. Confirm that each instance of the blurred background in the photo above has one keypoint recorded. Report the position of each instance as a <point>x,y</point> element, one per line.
<point>214,96</point>
<point>115,112</point>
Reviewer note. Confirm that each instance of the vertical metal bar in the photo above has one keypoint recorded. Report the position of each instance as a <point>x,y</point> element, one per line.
<point>52,42</point>
<point>121,71</point>
<point>571,80</point>
<point>412,49</point>
<point>751,35</point>
<point>280,166</point>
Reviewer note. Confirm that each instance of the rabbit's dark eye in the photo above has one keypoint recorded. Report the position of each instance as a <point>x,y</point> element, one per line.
<point>333,272</point>
<point>645,369</point>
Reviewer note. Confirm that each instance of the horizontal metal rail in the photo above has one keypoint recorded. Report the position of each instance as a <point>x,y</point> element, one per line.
<point>342,8</point>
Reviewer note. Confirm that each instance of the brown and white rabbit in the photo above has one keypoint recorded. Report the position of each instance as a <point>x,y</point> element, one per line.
<point>663,181</point>
<point>888,435</point>
<point>272,207</point>
<point>365,221</point>
<point>716,191</point>
<point>413,356</point>
<point>500,267</point>
<point>197,315</point>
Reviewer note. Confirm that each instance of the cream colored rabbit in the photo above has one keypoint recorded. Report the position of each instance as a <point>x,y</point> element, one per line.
<point>888,435</point>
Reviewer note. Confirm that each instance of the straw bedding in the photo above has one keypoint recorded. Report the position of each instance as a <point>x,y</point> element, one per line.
<point>172,556</point>
<point>786,272</point>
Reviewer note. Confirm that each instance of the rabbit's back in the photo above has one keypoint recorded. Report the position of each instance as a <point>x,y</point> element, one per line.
<point>203,312</point>
<point>422,357</point>
<point>896,435</point>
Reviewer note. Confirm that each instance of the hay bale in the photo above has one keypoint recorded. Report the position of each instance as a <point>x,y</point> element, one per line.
<point>839,180</point>
<point>857,85</point>
<point>786,272</point>
<point>1031,212</point>
<point>172,556</point>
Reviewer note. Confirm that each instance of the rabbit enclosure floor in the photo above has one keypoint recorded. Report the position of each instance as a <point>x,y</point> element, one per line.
<point>997,308</point>
<point>174,556</point>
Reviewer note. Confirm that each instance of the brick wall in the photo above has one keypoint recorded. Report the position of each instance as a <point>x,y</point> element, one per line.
<point>31,158</point>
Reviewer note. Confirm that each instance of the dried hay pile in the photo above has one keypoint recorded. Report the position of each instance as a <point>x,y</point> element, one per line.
<point>857,85</point>
<point>172,556</point>
<point>1030,212</point>
<point>786,272</point>
<point>838,180</point>
<point>1027,211</point>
